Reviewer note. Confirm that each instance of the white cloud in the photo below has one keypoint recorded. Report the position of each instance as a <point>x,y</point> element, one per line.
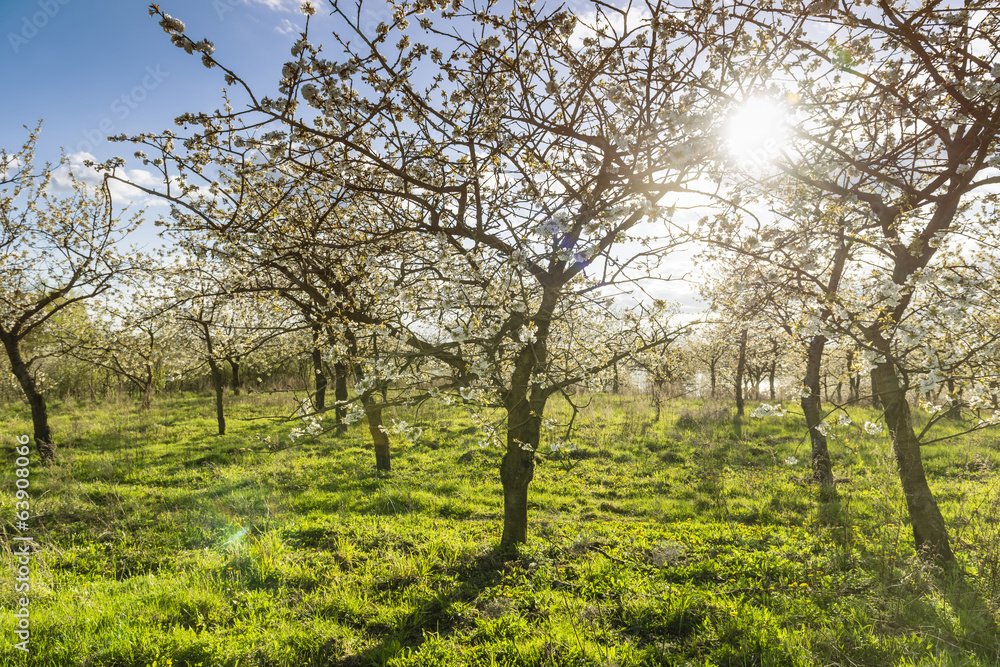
<point>124,195</point>
<point>61,181</point>
<point>10,167</point>
<point>286,27</point>
<point>612,22</point>
<point>274,5</point>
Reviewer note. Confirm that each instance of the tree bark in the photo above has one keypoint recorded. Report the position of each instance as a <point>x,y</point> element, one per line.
<point>741,366</point>
<point>876,402</point>
<point>525,403</point>
<point>234,364</point>
<point>340,390</point>
<point>954,412</point>
<point>657,399</point>
<point>930,536</point>
<point>822,467</point>
<point>319,400</point>
<point>380,439</point>
<point>144,384</point>
<point>853,379</point>
<point>518,469</point>
<point>712,376</point>
<point>36,401</point>
<point>220,414</point>
<point>147,396</point>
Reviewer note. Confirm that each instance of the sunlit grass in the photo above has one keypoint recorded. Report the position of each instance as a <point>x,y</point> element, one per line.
<point>681,541</point>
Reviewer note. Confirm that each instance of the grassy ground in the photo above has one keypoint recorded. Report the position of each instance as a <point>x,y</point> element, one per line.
<point>688,541</point>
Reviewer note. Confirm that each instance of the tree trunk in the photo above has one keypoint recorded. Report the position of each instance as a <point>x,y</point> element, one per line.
<point>39,411</point>
<point>853,379</point>
<point>876,403</point>
<point>954,412</point>
<point>741,366</point>
<point>657,397</point>
<point>822,468</point>
<point>234,364</point>
<point>929,533</point>
<point>319,400</point>
<point>517,470</point>
<point>712,377</point>
<point>615,384</point>
<point>525,403</point>
<point>217,382</point>
<point>340,389</point>
<point>770,379</point>
<point>380,439</point>
<point>145,385</point>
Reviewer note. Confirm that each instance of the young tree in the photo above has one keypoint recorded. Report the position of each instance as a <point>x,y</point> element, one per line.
<point>784,263</point>
<point>137,338</point>
<point>56,250</point>
<point>229,325</point>
<point>663,364</point>
<point>519,154</point>
<point>710,346</point>
<point>897,121</point>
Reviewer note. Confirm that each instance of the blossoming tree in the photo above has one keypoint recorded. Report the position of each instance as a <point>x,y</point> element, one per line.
<point>57,250</point>
<point>520,151</point>
<point>897,120</point>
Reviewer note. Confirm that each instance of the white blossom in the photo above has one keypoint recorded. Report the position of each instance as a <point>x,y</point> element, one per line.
<point>932,380</point>
<point>766,410</point>
<point>171,24</point>
<point>314,428</point>
<point>872,428</point>
<point>355,415</point>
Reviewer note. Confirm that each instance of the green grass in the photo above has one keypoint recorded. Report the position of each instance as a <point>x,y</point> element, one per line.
<point>688,541</point>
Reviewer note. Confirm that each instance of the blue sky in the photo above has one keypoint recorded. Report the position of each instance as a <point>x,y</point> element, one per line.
<point>90,68</point>
<point>93,68</point>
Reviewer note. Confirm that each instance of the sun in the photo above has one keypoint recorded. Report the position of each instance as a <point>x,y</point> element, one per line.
<point>757,131</point>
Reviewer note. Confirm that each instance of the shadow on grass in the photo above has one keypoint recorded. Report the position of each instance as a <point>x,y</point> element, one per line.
<point>975,617</point>
<point>440,611</point>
